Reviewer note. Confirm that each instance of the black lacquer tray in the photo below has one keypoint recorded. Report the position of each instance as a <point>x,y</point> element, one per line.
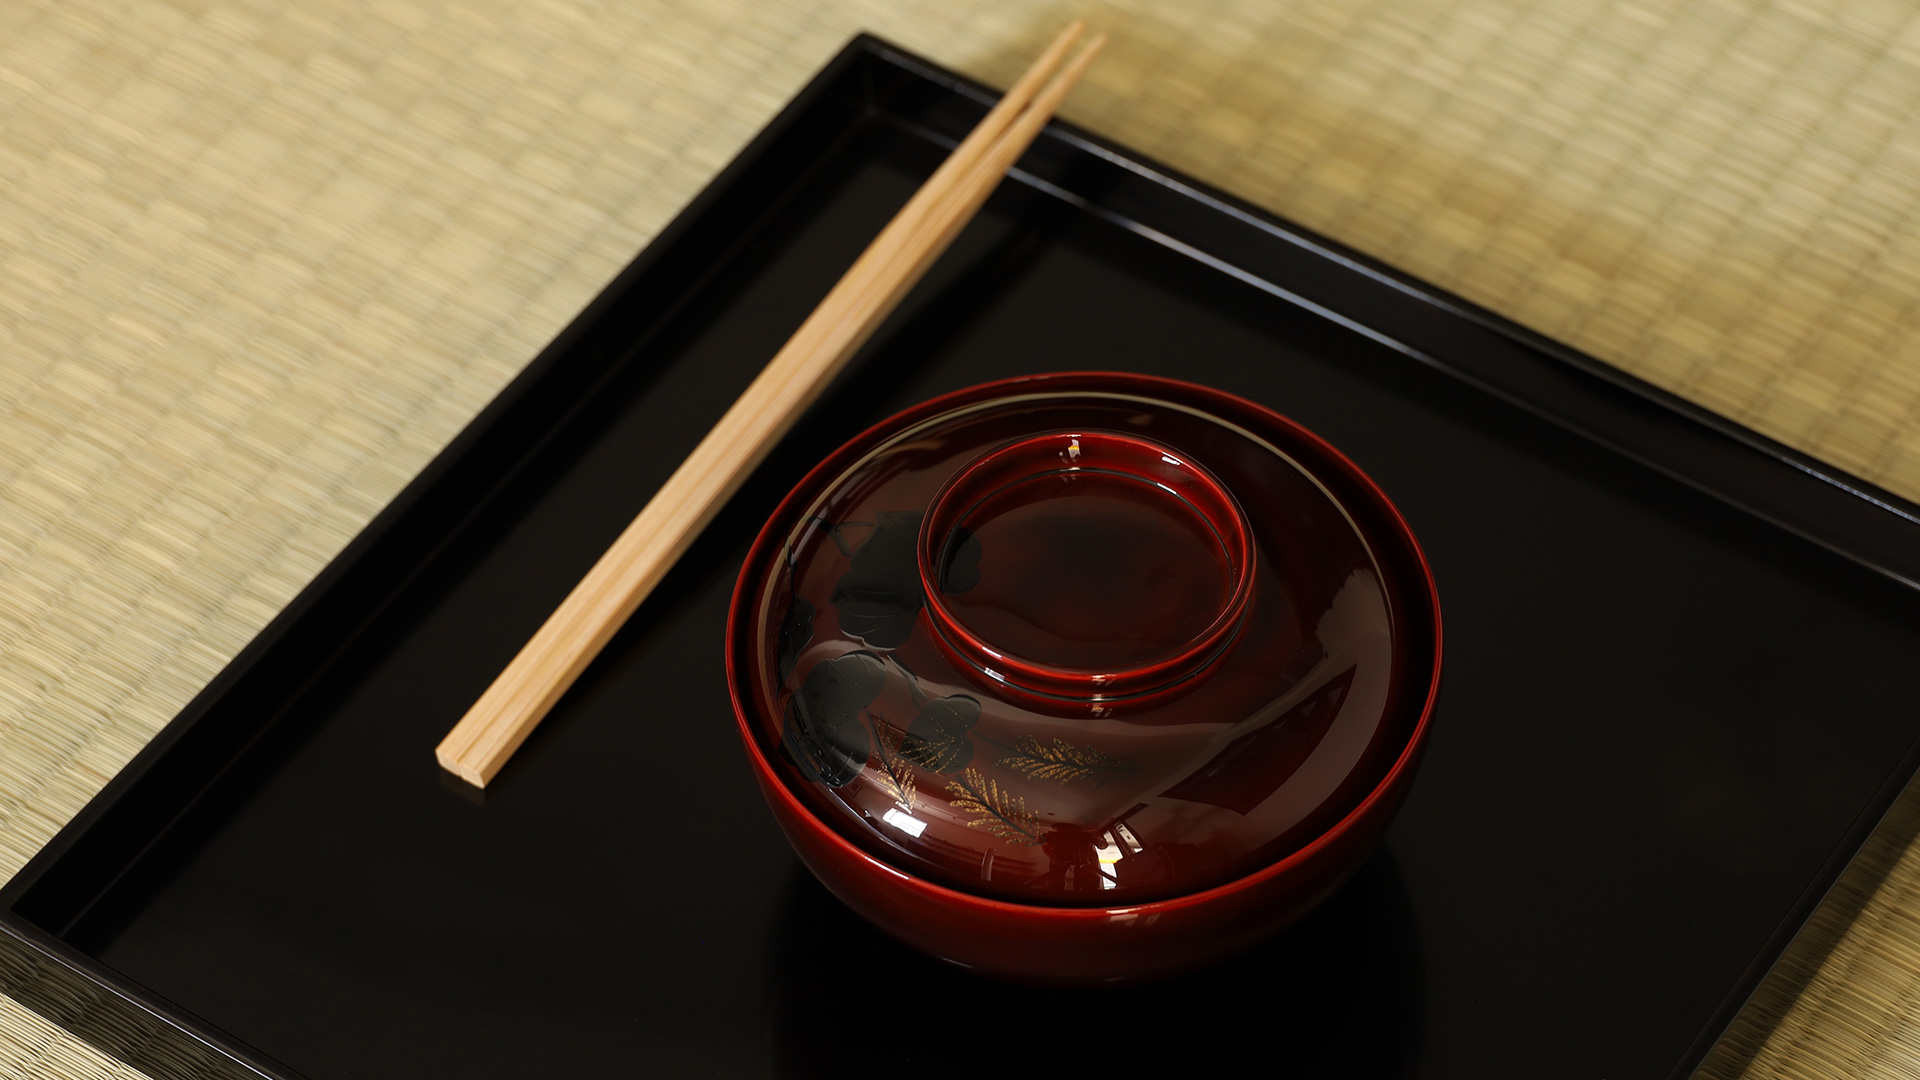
<point>1682,673</point>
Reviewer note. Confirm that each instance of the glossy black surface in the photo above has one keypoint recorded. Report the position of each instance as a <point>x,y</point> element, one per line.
<point>1665,722</point>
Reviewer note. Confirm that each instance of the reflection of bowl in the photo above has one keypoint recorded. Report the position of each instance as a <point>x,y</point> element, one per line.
<point>1342,990</point>
<point>1084,677</point>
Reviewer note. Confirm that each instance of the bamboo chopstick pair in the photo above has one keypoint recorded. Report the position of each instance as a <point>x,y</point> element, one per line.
<point>581,626</point>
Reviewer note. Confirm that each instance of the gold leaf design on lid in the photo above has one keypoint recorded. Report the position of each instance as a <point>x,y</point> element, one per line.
<point>994,810</point>
<point>1063,761</point>
<point>895,774</point>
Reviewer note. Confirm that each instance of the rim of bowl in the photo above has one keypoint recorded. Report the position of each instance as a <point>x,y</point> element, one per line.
<point>736,617</point>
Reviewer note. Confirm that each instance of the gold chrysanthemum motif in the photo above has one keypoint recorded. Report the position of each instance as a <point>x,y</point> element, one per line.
<point>1063,761</point>
<point>896,772</point>
<point>995,811</point>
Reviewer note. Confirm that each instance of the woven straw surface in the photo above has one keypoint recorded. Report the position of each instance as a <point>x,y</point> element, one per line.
<point>259,259</point>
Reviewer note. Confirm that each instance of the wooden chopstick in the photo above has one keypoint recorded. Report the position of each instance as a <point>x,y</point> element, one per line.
<point>586,620</point>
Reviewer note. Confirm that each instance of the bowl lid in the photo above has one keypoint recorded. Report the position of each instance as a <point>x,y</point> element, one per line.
<point>1082,639</point>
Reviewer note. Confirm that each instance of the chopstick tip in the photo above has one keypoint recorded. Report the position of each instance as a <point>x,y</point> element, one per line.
<point>453,763</point>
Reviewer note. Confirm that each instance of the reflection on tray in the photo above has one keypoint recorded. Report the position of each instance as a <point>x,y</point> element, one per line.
<point>1341,993</point>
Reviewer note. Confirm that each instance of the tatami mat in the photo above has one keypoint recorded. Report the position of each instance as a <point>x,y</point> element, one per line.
<point>260,259</point>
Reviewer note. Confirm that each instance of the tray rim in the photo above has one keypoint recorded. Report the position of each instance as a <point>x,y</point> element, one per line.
<point>1677,422</point>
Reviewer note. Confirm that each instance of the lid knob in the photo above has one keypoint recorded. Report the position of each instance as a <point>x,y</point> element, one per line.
<point>1085,571</point>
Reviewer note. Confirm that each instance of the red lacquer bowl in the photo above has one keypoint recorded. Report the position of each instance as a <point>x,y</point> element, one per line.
<point>1086,677</point>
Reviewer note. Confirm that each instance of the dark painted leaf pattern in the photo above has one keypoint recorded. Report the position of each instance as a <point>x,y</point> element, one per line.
<point>823,734</point>
<point>937,739</point>
<point>796,630</point>
<point>879,595</point>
